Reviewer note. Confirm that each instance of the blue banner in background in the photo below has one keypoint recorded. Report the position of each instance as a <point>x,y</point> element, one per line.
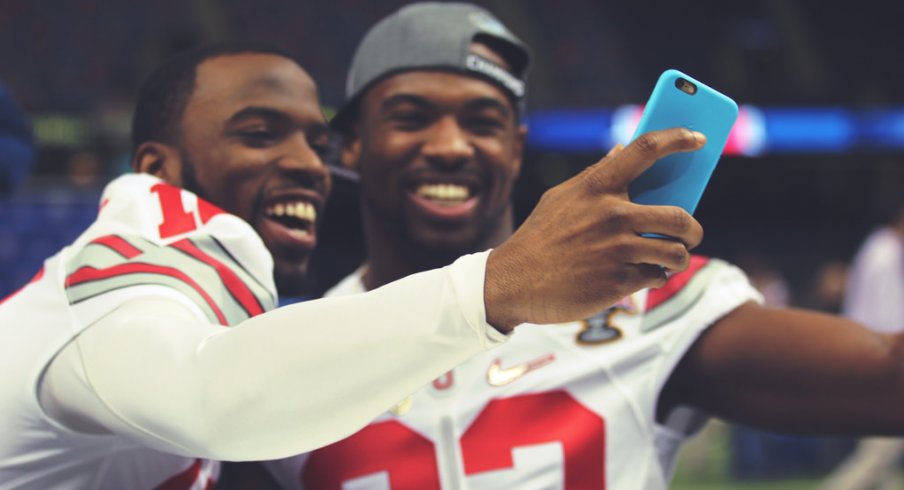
<point>758,131</point>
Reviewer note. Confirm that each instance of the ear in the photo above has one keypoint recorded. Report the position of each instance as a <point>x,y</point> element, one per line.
<point>350,151</point>
<point>160,160</point>
<point>518,153</point>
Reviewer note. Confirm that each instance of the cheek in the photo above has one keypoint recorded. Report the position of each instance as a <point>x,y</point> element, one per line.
<point>244,187</point>
<point>501,165</point>
<point>235,181</point>
<point>380,183</point>
<point>392,149</point>
<point>502,159</point>
<point>385,161</point>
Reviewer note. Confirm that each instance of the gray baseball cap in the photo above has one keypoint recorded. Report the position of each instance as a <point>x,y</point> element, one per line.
<point>435,35</point>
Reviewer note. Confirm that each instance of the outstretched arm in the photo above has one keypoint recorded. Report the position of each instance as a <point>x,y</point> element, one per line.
<point>281,383</point>
<point>303,376</point>
<point>794,371</point>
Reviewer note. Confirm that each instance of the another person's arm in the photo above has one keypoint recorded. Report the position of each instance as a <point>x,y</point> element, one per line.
<point>794,371</point>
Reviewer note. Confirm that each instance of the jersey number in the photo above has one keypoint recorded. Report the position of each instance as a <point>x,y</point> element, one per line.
<point>176,220</point>
<point>407,459</point>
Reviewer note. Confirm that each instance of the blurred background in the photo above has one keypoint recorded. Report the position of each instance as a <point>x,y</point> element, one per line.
<point>813,162</point>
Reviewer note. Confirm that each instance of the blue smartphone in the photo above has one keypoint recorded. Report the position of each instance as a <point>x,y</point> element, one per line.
<point>679,179</point>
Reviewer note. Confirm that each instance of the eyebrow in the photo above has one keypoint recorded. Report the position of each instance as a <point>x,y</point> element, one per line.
<point>262,112</point>
<point>476,104</point>
<point>482,103</point>
<point>273,114</point>
<point>400,99</point>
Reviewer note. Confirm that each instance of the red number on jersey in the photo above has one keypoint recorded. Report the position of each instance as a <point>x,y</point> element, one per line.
<point>537,419</point>
<point>409,459</point>
<point>404,455</point>
<point>176,220</point>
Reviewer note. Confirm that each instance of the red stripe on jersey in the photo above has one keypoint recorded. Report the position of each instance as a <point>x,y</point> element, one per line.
<point>186,479</point>
<point>36,278</point>
<point>88,274</point>
<point>118,245</point>
<point>675,283</point>
<point>236,286</point>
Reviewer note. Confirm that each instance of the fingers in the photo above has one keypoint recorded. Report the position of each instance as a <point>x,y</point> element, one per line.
<point>636,219</point>
<point>620,167</point>
<point>650,275</point>
<point>663,253</point>
<point>670,221</point>
<point>634,277</point>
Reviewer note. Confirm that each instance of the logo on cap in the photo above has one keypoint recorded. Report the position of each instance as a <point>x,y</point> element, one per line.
<point>496,72</point>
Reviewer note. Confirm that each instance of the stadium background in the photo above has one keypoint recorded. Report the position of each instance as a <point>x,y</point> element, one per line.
<point>813,182</point>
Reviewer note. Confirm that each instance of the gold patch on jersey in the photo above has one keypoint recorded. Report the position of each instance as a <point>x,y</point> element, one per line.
<point>599,328</point>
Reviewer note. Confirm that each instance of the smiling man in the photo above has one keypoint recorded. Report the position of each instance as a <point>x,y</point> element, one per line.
<point>252,142</point>
<point>118,372</point>
<point>424,202</point>
<point>432,124</point>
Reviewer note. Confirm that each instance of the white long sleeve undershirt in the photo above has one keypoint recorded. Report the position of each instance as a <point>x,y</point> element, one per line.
<point>284,382</point>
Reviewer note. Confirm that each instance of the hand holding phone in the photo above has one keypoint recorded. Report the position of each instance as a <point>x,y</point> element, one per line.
<point>680,178</point>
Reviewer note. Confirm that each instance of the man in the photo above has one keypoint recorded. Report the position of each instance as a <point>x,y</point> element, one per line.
<point>434,94</point>
<point>874,296</point>
<point>117,371</point>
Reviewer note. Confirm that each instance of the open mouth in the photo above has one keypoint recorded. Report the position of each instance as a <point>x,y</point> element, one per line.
<point>297,216</point>
<point>445,200</point>
<point>444,194</point>
<point>290,224</point>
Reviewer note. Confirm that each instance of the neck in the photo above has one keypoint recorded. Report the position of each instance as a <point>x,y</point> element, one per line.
<point>392,256</point>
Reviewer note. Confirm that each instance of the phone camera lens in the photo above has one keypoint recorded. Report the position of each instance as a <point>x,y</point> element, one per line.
<point>685,86</point>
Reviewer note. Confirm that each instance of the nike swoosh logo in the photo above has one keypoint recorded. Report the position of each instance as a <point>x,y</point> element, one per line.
<point>499,376</point>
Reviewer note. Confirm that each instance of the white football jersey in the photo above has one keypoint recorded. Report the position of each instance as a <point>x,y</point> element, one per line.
<point>570,406</point>
<point>150,239</point>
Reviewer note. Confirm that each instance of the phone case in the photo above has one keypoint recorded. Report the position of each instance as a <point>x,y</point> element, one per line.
<point>679,179</point>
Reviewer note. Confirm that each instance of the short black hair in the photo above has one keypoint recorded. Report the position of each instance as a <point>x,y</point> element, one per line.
<point>165,93</point>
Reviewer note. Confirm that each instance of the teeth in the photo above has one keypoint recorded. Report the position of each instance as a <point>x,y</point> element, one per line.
<point>443,192</point>
<point>299,209</point>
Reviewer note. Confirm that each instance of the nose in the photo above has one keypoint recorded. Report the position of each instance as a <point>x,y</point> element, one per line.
<point>447,143</point>
<point>303,162</point>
